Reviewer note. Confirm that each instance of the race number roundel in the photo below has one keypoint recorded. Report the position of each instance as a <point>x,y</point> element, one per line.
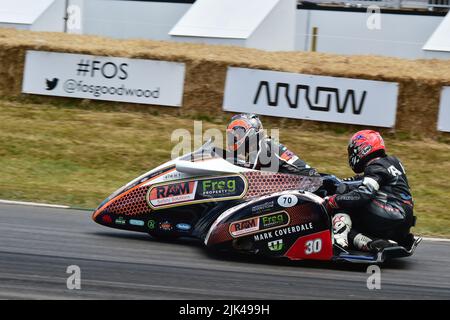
<point>287,200</point>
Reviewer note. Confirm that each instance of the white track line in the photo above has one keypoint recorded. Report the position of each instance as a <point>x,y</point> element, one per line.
<point>47,205</point>
<point>436,239</point>
<point>34,204</point>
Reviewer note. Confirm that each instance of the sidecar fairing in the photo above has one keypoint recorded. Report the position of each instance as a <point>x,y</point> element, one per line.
<point>292,224</point>
<point>183,197</point>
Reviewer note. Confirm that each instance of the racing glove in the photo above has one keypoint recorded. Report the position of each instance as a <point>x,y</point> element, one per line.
<point>354,178</point>
<point>330,203</point>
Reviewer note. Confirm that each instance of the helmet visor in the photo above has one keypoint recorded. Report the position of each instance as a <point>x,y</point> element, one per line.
<point>236,137</point>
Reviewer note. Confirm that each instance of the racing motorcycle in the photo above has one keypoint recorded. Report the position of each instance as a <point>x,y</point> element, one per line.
<point>229,207</point>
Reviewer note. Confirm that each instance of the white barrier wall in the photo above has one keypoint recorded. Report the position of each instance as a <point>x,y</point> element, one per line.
<point>52,19</point>
<point>131,19</point>
<point>343,32</point>
<point>36,15</point>
<point>438,46</point>
<point>261,24</point>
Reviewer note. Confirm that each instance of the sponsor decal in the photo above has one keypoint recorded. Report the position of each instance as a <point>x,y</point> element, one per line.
<point>107,219</point>
<point>174,193</point>
<point>263,207</point>
<point>287,201</point>
<point>311,97</point>
<point>219,187</point>
<point>244,227</point>
<point>173,176</point>
<point>183,226</point>
<point>276,245</point>
<point>283,231</point>
<point>121,221</point>
<point>151,224</point>
<point>165,226</point>
<point>351,100</point>
<point>274,220</point>
<point>138,223</point>
<point>183,192</point>
<point>253,225</point>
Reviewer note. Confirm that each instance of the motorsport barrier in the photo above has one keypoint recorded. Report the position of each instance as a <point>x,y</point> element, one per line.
<point>306,88</point>
<point>302,96</point>
<point>444,110</point>
<point>103,78</point>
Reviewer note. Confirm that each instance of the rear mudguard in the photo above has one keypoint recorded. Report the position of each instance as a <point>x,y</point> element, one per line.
<point>290,224</point>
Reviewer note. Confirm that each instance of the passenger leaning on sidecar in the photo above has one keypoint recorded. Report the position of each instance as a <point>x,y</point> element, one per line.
<point>380,208</point>
<point>248,146</point>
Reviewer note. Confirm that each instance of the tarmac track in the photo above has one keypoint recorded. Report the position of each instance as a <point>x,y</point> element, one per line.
<point>37,244</point>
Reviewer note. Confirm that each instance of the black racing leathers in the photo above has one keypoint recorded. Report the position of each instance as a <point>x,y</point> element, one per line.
<point>382,205</point>
<point>276,156</point>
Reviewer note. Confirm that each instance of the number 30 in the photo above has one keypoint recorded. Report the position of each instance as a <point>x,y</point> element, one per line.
<point>313,246</point>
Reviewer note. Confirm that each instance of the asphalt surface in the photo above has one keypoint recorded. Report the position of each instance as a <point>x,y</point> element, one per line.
<point>38,244</point>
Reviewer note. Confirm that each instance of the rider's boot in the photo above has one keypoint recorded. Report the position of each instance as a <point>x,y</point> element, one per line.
<point>379,245</point>
<point>341,227</point>
<point>361,242</point>
<point>364,243</point>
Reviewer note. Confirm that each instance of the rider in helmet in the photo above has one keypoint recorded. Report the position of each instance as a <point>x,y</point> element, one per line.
<point>248,146</point>
<point>380,206</point>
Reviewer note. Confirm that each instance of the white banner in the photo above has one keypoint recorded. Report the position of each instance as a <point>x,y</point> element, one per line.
<point>444,110</point>
<point>104,78</point>
<point>302,96</point>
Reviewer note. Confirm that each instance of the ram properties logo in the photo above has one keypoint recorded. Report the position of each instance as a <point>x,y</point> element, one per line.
<point>259,223</point>
<point>312,97</point>
<point>51,84</point>
<point>244,227</point>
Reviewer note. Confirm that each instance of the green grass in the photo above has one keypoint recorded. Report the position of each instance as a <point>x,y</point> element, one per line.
<point>74,155</point>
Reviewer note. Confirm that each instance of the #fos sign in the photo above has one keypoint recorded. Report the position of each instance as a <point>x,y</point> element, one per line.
<point>104,78</point>
<point>302,96</point>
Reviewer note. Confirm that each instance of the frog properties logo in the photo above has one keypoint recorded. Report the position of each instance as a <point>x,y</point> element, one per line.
<point>273,220</point>
<point>261,223</point>
<point>183,192</point>
<point>120,221</point>
<point>222,187</point>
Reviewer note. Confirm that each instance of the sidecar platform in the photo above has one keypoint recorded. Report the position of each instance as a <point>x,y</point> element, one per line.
<point>380,257</point>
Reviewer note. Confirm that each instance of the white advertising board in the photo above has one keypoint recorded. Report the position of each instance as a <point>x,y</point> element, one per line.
<point>302,96</point>
<point>104,78</point>
<point>444,110</point>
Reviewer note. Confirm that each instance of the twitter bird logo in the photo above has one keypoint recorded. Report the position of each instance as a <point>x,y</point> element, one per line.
<point>51,84</point>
